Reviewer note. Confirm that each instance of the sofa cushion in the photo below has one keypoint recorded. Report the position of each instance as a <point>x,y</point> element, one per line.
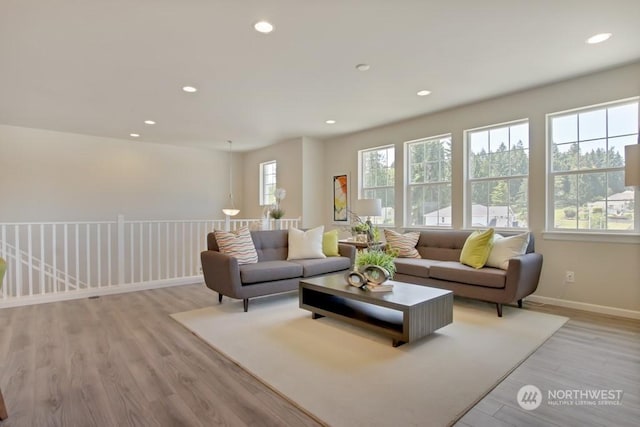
<point>330,243</point>
<point>266,271</point>
<point>305,244</point>
<point>453,271</point>
<point>404,244</point>
<point>271,245</point>
<point>505,248</point>
<point>414,266</point>
<point>237,244</point>
<point>476,248</point>
<point>314,267</point>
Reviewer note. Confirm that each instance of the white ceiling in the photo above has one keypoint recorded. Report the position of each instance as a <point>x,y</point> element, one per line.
<point>102,67</point>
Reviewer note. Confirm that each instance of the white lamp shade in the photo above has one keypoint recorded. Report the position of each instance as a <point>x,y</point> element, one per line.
<point>369,207</point>
<point>230,212</point>
<point>632,165</point>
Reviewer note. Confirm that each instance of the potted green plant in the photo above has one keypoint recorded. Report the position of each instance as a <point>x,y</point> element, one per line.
<point>377,257</point>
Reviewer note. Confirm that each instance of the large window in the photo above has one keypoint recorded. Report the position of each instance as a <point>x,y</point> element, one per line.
<point>586,168</point>
<point>267,183</point>
<point>428,182</point>
<point>377,180</point>
<point>497,171</point>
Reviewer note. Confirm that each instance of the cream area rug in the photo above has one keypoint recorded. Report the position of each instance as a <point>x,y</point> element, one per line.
<point>347,376</point>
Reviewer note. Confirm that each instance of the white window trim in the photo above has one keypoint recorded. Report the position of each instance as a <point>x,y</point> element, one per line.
<point>406,184</point>
<point>467,215</point>
<point>551,233</point>
<point>263,197</point>
<point>361,178</point>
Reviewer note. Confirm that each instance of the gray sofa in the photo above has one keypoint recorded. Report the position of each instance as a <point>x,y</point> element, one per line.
<point>272,273</point>
<point>439,267</point>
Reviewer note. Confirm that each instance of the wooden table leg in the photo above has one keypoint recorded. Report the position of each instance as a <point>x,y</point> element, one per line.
<point>3,409</point>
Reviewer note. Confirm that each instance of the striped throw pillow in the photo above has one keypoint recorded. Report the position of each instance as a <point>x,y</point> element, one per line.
<point>237,244</point>
<point>404,244</point>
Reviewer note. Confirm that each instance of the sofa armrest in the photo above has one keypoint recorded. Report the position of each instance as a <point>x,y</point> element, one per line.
<point>348,251</point>
<point>221,273</point>
<point>523,275</point>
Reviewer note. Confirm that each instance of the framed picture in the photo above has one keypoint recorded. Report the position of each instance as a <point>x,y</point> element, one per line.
<point>341,199</point>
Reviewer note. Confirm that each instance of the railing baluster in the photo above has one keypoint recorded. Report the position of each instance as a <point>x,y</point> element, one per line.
<point>18,263</point>
<point>54,257</point>
<point>6,257</point>
<point>99,254</point>
<point>132,255</point>
<point>30,259</point>
<point>66,258</point>
<point>150,258</point>
<point>77,254</point>
<point>109,250</point>
<point>42,261</point>
<point>166,250</point>
<point>88,254</point>
<point>140,250</point>
<point>159,258</point>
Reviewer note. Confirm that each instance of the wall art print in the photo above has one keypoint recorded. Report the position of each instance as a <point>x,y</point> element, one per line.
<point>341,198</point>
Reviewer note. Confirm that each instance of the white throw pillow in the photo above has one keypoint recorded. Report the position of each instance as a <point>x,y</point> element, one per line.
<point>306,244</point>
<point>505,248</point>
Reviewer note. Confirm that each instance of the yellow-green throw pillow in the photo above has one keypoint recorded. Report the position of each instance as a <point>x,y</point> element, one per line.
<point>477,248</point>
<point>330,243</point>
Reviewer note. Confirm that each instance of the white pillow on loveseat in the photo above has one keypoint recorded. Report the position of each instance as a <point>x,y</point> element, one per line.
<point>306,244</point>
<point>505,248</point>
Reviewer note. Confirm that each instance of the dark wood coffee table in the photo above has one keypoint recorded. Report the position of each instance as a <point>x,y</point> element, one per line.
<point>406,314</point>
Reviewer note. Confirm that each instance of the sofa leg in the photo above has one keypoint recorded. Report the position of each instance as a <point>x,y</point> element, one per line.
<point>245,302</point>
<point>520,303</point>
<point>499,308</point>
<point>219,298</point>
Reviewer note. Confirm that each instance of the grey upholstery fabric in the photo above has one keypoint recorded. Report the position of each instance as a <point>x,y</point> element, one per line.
<point>455,272</point>
<point>315,267</point>
<point>414,266</point>
<point>272,274</point>
<point>266,271</point>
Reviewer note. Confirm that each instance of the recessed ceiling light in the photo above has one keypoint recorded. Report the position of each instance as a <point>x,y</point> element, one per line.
<point>598,38</point>
<point>135,135</point>
<point>330,122</point>
<point>149,122</point>
<point>424,93</point>
<point>263,27</point>
<point>189,89</point>
<point>363,67</point>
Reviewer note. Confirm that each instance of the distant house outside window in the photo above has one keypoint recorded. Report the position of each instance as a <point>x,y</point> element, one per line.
<point>377,180</point>
<point>496,193</point>
<point>585,163</point>
<point>428,182</point>
<point>267,182</point>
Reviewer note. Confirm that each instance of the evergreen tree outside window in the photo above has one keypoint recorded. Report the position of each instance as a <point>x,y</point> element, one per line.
<point>586,191</point>
<point>428,182</point>
<point>376,167</point>
<point>497,193</point>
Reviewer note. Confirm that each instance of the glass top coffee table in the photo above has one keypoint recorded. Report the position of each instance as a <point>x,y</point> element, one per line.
<point>407,313</point>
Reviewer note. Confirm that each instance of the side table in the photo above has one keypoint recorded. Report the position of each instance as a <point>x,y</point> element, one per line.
<point>361,246</point>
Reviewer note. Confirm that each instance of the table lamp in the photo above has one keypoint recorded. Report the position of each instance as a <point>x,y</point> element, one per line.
<point>369,208</point>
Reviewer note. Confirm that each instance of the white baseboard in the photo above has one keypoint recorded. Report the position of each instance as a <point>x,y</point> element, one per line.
<point>107,290</point>
<point>602,309</point>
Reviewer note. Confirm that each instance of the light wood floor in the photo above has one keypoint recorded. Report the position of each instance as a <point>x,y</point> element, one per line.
<point>122,361</point>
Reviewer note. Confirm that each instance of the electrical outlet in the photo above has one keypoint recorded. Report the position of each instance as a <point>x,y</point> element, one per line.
<point>569,277</point>
<point>200,270</point>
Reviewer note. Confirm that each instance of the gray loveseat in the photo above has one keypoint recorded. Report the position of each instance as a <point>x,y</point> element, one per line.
<point>272,273</point>
<point>439,267</point>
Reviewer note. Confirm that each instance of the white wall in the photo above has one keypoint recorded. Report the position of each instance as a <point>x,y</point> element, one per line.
<point>606,274</point>
<point>312,182</point>
<point>55,176</point>
<point>288,155</point>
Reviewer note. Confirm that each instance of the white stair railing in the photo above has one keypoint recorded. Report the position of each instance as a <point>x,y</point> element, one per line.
<point>52,261</point>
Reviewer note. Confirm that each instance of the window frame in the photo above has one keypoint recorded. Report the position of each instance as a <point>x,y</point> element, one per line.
<point>361,180</point>
<point>264,198</point>
<point>556,233</point>
<point>468,181</point>
<point>408,185</point>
